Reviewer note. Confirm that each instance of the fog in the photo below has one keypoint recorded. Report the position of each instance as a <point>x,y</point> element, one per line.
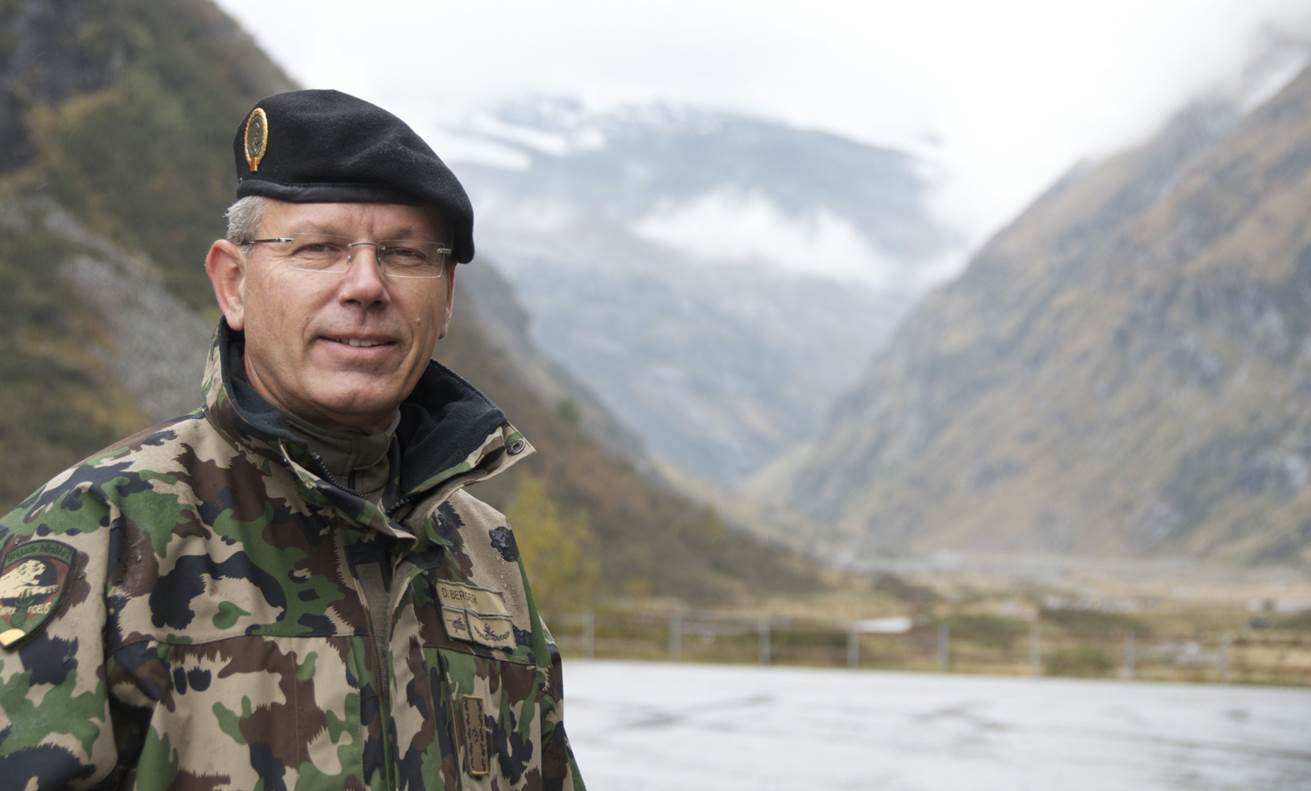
<point>998,98</point>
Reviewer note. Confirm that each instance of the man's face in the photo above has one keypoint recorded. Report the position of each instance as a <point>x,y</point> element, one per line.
<point>299,325</point>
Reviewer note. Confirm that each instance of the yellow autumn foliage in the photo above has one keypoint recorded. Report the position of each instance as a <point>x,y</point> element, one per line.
<point>560,551</point>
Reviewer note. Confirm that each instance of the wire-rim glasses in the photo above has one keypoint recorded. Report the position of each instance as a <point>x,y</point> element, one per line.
<point>321,252</point>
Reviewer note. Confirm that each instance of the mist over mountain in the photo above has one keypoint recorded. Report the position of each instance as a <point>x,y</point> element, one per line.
<point>1123,370</point>
<point>716,279</point>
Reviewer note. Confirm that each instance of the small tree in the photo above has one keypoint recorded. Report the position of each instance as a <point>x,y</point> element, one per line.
<point>559,552</point>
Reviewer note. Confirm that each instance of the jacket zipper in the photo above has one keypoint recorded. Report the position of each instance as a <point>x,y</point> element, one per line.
<point>441,494</point>
<point>381,653</point>
<point>381,668</point>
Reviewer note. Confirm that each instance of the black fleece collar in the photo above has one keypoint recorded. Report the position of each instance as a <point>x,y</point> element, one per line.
<point>443,422</point>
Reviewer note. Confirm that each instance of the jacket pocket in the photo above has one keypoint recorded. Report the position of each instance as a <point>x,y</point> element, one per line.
<point>235,711</point>
<point>492,705</point>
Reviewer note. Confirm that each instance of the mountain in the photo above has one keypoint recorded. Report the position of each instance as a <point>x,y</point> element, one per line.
<point>1123,370</point>
<point>116,120</point>
<point>113,175</point>
<point>716,279</point>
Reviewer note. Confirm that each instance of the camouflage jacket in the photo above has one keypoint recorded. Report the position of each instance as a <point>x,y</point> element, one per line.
<point>186,609</point>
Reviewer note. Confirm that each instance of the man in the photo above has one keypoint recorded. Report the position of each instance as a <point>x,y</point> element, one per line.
<point>289,588</point>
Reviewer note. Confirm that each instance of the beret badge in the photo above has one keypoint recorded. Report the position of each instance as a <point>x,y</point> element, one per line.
<point>256,138</point>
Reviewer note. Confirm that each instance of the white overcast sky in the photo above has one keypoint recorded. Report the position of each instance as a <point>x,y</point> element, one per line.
<point>1000,97</point>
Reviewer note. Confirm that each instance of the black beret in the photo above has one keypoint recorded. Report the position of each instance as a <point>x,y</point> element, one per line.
<point>329,147</point>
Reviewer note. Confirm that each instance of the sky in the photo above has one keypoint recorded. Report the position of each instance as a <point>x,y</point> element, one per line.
<point>999,99</point>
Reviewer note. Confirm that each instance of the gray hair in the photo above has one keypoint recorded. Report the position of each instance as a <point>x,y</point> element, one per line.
<point>244,218</point>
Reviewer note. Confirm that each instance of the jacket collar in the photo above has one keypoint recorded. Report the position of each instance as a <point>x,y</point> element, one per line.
<point>449,434</point>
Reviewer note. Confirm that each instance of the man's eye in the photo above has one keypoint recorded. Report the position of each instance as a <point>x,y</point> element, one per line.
<point>410,254</point>
<point>316,248</point>
<point>406,257</point>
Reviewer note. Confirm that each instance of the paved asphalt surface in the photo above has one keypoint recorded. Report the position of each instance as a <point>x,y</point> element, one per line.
<point>685,727</point>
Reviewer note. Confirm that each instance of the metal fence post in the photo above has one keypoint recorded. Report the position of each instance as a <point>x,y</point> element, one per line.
<point>589,634</point>
<point>1035,647</point>
<point>944,648</point>
<point>675,636</point>
<point>763,627</point>
<point>1226,646</point>
<point>1130,656</point>
<point>853,647</point>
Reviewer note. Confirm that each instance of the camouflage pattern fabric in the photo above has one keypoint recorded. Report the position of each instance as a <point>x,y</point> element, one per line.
<point>212,630</point>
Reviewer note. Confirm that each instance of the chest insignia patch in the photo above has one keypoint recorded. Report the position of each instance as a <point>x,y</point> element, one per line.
<point>32,578</point>
<point>476,760</point>
<point>489,630</point>
<point>476,614</point>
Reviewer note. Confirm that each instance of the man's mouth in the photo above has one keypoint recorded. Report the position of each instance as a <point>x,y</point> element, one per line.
<point>360,343</point>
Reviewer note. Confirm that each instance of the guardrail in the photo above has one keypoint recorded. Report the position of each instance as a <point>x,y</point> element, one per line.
<point>968,644</point>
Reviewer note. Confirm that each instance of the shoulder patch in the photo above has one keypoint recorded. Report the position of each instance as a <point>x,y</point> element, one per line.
<point>32,578</point>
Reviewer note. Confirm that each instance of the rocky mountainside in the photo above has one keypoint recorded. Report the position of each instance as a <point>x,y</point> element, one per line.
<point>113,175</point>
<point>1124,370</point>
<point>717,280</point>
<point>117,120</point>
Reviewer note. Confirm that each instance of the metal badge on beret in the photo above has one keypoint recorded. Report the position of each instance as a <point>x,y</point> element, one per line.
<point>257,137</point>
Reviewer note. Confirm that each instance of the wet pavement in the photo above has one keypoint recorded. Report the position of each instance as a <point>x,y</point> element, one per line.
<point>688,727</point>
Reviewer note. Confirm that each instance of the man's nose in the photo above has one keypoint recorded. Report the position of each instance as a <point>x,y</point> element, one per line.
<point>364,281</point>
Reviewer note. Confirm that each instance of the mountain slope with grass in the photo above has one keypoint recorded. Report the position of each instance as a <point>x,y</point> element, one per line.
<point>115,167</point>
<point>1122,371</point>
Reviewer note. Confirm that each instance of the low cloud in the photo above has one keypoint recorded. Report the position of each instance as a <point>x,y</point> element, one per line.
<point>732,227</point>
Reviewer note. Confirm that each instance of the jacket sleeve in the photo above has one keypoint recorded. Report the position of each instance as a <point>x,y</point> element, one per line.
<point>559,770</point>
<point>55,721</point>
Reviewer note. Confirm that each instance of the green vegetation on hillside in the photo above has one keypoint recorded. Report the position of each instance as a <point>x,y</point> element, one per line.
<point>1095,623</point>
<point>146,159</point>
<point>125,121</point>
<point>116,158</point>
<point>58,403</point>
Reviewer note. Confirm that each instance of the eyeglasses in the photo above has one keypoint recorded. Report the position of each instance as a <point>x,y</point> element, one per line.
<point>320,252</point>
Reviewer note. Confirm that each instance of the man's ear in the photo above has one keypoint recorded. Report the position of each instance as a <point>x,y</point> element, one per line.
<point>226,267</point>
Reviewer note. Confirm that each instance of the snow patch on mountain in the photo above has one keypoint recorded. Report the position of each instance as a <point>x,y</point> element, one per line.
<point>554,142</point>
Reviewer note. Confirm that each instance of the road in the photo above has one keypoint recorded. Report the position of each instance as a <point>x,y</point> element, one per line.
<point>685,727</point>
